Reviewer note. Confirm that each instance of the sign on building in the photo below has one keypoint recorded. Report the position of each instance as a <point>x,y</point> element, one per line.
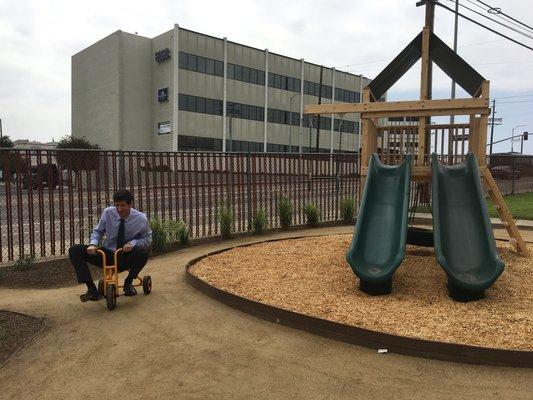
<point>164,128</point>
<point>162,94</point>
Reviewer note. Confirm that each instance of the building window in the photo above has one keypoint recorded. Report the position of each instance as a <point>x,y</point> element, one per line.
<point>191,62</point>
<point>210,66</point>
<point>231,71</point>
<point>219,68</point>
<point>182,60</point>
<point>201,65</point>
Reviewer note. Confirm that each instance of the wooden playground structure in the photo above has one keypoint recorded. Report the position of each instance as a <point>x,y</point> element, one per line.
<point>450,141</point>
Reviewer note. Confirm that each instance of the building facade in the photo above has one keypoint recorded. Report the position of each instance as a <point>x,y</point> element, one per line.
<point>184,90</point>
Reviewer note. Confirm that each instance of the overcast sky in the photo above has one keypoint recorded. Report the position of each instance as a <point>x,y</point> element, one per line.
<point>38,38</point>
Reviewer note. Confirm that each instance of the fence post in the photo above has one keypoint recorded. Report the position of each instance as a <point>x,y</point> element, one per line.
<point>337,183</point>
<point>121,170</point>
<point>249,188</point>
<point>513,175</point>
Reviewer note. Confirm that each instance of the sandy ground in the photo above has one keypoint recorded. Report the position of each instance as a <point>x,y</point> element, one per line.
<point>311,276</point>
<point>178,343</point>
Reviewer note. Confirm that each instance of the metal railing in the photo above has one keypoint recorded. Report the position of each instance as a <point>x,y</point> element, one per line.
<point>51,199</point>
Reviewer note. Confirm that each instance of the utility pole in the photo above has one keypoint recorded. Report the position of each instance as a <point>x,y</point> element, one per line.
<point>492,125</point>
<point>456,23</point>
<point>1,134</point>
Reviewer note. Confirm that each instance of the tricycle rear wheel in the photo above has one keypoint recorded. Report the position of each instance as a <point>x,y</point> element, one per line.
<point>111,297</point>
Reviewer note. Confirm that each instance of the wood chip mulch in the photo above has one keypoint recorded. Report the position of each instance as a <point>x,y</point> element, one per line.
<point>311,276</point>
<point>42,275</point>
<point>15,330</point>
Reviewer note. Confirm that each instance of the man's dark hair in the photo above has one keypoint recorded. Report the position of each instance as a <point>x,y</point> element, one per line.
<point>123,195</point>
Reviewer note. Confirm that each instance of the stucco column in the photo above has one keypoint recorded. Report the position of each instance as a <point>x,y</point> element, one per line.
<point>332,115</point>
<point>265,123</point>
<point>175,94</point>
<point>225,94</point>
<point>301,102</point>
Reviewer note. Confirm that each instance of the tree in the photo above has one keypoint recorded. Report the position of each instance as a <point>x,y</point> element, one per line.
<point>71,142</point>
<point>11,160</point>
<point>77,160</point>
<point>6,141</point>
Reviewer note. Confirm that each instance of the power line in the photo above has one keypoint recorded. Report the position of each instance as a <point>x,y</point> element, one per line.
<point>484,26</point>
<point>514,102</point>
<point>512,97</point>
<point>498,15</point>
<point>499,11</point>
<point>505,62</point>
<point>480,43</point>
<point>495,21</point>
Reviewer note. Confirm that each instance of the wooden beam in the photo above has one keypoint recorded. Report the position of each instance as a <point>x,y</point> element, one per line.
<point>473,136</point>
<point>408,108</point>
<point>422,146</point>
<point>428,113</point>
<point>504,213</point>
<point>424,74</point>
<point>369,146</point>
<point>415,126</point>
<point>418,173</point>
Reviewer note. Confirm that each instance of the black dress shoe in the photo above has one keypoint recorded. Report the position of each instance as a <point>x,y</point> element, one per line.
<point>91,295</point>
<point>129,290</point>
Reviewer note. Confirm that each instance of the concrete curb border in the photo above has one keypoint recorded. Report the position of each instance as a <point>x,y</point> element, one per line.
<point>359,336</point>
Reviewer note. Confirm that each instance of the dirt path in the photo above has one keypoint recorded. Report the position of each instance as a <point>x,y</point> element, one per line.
<point>178,343</point>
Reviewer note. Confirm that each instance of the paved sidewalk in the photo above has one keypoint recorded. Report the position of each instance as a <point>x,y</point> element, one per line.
<point>178,343</point>
<point>522,224</point>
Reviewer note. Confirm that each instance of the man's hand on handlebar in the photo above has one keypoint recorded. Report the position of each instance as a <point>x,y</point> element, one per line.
<point>91,249</point>
<point>127,247</point>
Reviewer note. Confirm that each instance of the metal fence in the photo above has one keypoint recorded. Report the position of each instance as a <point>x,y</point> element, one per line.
<point>51,199</point>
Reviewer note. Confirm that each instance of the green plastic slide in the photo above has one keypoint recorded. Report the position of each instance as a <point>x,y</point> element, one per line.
<point>378,244</point>
<point>464,242</point>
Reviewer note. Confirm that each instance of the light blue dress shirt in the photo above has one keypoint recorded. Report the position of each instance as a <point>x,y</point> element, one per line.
<point>137,230</point>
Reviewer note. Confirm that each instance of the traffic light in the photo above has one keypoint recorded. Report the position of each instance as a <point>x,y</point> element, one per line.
<point>525,135</point>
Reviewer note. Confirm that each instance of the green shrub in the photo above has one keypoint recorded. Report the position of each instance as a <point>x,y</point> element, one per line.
<point>312,214</point>
<point>24,261</point>
<point>160,238</point>
<point>183,232</point>
<point>177,231</point>
<point>226,218</point>
<point>347,209</point>
<point>285,212</point>
<point>259,222</point>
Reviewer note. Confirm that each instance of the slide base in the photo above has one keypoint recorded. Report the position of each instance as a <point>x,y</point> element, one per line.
<point>464,295</point>
<point>376,288</point>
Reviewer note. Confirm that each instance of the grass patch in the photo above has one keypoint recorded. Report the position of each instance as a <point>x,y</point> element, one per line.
<point>520,205</point>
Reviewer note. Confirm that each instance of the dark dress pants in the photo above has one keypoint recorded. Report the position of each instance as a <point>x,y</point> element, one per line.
<point>134,261</point>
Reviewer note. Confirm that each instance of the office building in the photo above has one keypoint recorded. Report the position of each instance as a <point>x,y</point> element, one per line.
<point>184,90</point>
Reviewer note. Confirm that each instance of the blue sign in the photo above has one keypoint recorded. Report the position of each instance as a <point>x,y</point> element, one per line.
<point>162,95</point>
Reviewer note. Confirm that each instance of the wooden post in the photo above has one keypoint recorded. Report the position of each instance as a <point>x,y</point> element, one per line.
<point>473,136</point>
<point>369,142</point>
<point>425,85</point>
<point>504,213</point>
<point>482,128</point>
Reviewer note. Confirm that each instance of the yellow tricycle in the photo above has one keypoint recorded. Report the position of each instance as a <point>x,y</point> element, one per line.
<point>108,284</point>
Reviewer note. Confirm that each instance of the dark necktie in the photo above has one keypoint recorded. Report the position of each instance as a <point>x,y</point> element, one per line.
<point>120,236</point>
